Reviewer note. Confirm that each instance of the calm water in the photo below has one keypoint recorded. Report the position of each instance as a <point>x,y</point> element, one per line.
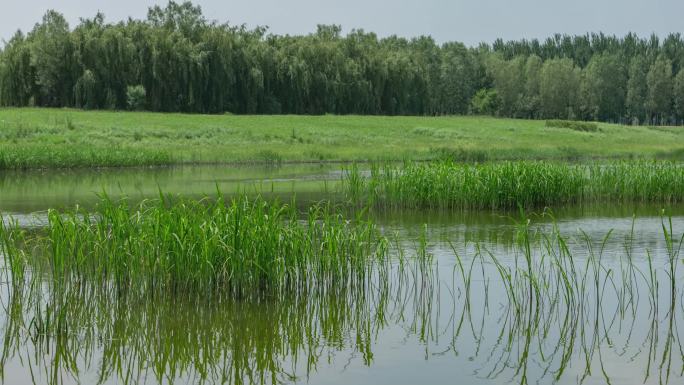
<point>454,320</point>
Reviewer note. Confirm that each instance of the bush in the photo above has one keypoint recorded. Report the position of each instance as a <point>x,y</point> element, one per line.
<point>85,91</point>
<point>573,125</point>
<point>135,97</point>
<point>460,154</point>
<point>485,102</point>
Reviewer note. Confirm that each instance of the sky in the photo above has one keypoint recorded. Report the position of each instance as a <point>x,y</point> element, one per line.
<point>467,21</point>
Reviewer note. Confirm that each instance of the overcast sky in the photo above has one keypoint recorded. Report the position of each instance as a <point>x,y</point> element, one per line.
<point>468,21</point>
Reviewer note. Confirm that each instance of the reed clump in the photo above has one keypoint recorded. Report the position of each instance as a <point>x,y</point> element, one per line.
<point>239,247</point>
<point>509,185</point>
<point>22,157</point>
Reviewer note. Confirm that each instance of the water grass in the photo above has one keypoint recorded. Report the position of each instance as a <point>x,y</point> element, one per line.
<point>239,247</point>
<point>35,156</point>
<point>509,185</point>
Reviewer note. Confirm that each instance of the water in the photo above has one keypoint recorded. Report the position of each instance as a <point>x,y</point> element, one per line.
<point>403,324</point>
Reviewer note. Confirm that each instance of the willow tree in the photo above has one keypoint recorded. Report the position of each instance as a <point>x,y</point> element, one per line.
<point>187,63</point>
<point>51,56</point>
<point>637,89</point>
<point>659,80</point>
<point>17,85</point>
<point>509,81</point>
<point>559,88</point>
<point>679,95</point>
<point>604,83</point>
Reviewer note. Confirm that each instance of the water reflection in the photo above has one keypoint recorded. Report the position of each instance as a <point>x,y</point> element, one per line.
<point>571,302</point>
<point>31,191</point>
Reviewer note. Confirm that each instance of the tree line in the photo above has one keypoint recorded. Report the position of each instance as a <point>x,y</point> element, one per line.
<point>176,60</point>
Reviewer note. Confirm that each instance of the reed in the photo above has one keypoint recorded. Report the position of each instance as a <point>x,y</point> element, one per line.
<point>238,247</point>
<point>509,185</point>
<point>32,156</point>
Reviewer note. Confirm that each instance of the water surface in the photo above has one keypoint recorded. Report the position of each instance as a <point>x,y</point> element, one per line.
<point>452,320</point>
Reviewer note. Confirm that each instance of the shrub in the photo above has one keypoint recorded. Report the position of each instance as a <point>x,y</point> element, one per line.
<point>485,102</point>
<point>573,125</point>
<point>135,97</point>
<point>269,157</point>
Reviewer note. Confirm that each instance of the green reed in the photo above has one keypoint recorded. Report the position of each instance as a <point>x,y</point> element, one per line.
<point>21,156</point>
<point>265,339</point>
<point>238,247</point>
<point>566,306</point>
<point>510,185</point>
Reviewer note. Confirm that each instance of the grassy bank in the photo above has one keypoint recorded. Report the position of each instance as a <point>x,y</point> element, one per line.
<point>32,138</point>
<point>506,185</point>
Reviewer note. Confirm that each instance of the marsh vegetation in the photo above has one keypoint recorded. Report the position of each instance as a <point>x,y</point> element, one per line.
<point>548,304</point>
<point>512,185</point>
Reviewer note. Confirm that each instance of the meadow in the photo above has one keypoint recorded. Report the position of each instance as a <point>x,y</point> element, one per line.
<point>63,138</point>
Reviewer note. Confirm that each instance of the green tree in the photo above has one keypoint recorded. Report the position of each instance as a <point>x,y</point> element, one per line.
<point>637,89</point>
<point>531,100</point>
<point>604,88</point>
<point>85,91</point>
<point>659,80</point>
<point>679,95</point>
<point>51,60</point>
<point>456,86</point>
<point>16,73</point>
<point>509,81</point>
<point>559,89</point>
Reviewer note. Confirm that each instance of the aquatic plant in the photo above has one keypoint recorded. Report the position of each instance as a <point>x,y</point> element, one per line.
<point>32,156</point>
<point>237,247</point>
<point>265,337</point>
<point>509,185</point>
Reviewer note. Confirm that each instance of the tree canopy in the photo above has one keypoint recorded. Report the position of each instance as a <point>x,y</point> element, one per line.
<point>176,60</point>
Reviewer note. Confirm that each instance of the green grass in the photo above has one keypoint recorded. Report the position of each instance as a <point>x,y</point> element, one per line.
<point>153,138</point>
<point>30,156</point>
<point>242,247</point>
<point>508,185</point>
